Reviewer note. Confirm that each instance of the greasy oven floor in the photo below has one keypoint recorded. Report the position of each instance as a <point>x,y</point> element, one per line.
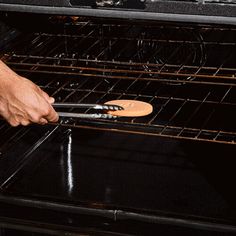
<point>174,167</point>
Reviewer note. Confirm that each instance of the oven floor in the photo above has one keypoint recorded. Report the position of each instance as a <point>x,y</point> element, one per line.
<point>123,171</point>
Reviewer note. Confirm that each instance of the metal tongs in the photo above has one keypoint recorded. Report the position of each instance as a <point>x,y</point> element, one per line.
<point>88,106</point>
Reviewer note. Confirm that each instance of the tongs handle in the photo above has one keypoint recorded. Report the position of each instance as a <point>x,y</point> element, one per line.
<point>86,116</point>
<point>88,106</point>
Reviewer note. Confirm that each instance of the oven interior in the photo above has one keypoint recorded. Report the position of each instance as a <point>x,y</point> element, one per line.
<point>177,162</point>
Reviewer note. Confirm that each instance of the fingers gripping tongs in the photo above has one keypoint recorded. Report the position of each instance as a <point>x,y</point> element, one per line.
<point>87,106</point>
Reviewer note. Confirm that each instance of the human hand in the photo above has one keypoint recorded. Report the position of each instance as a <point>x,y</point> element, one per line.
<point>22,102</point>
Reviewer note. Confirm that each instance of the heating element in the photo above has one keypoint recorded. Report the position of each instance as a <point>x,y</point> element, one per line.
<point>173,67</point>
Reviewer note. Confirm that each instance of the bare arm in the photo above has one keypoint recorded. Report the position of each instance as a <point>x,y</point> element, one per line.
<point>22,102</point>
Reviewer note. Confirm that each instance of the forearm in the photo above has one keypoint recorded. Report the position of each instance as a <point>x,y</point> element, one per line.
<point>7,76</point>
<point>22,101</point>
<point>6,71</point>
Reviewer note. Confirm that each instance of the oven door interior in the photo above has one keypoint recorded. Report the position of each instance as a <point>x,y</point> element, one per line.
<point>117,179</point>
<point>172,170</point>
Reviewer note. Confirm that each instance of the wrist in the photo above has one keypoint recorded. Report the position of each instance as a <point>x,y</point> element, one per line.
<point>7,77</point>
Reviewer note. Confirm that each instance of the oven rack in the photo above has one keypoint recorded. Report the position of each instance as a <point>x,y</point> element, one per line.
<point>175,52</point>
<point>178,98</point>
<point>173,67</point>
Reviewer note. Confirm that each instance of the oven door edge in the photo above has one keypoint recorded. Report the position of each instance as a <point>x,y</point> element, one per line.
<point>119,14</point>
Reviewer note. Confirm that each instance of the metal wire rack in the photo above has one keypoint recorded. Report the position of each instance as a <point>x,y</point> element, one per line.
<point>186,72</point>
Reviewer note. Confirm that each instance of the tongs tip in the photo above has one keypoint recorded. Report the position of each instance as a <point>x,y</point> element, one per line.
<point>113,107</point>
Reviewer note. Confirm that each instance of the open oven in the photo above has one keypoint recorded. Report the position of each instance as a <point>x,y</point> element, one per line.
<point>171,172</point>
